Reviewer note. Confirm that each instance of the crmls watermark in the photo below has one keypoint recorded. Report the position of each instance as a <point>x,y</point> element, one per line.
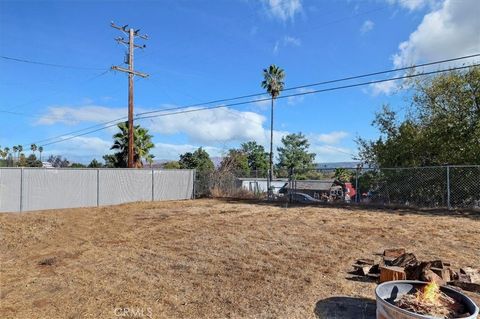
<point>133,312</point>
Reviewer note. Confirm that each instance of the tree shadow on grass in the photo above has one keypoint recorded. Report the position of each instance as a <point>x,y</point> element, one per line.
<point>342,307</point>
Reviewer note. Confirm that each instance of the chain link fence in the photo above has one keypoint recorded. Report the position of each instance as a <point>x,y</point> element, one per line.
<point>231,183</point>
<point>428,187</point>
<point>432,187</point>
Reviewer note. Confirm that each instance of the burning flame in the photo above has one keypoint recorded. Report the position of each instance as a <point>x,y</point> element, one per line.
<point>430,293</point>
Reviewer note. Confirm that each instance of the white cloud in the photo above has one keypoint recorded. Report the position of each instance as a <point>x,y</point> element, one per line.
<point>81,148</point>
<point>207,126</point>
<point>411,4</point>
<point>450,31</point>
<point>329,138</point>
<point>276,47</point>
<point>285,42</point>
<point>367,26</point>
<point>73,115</point>
<point>293,100</point>
<point>216,130</point>
<point>283,9</point>
<point>386,88</point>
<point>288,40</point>
<point>173,151</point>
<point>327,153</point>
<point>215,125</point>
<point>262,102</point>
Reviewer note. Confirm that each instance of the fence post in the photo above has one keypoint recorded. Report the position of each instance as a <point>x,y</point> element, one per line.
<point>356,185</point>
<point>153,185</point>
<point>269,196</point>
<point>448,188</point>
<point>194,182</point>
<point>21,189</point>
<point>98,187</point>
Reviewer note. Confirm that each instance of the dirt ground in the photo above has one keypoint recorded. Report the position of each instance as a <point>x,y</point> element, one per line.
<point>211,258</point>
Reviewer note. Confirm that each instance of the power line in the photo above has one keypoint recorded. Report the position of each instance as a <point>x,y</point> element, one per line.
<point>308,92</point>
<point>81,130</point>
<point>382,72</point>
<point>280,97</point>
<point>286,89</point>
<point>50,64</point>
<point>105,71</point>
<point>408,76</point>
<point>78,135</point>
<point>327,82</point>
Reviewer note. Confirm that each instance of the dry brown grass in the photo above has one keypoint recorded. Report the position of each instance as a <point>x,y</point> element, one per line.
<point>207,258</point>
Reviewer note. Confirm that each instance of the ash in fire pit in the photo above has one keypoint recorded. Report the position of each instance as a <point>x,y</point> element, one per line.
<point>406,299</point>
<point>432,302</point>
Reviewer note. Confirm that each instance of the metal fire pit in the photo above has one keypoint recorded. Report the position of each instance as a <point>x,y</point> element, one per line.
<point>388,292</point>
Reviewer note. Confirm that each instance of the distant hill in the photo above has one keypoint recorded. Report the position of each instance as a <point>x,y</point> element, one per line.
<point>217,160</point>
<point>337,165</point>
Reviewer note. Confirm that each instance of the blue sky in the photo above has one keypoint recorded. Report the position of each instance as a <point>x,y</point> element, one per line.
<point>204,50</point>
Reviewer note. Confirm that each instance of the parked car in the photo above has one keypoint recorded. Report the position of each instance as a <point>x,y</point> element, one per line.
<point>303,198</point>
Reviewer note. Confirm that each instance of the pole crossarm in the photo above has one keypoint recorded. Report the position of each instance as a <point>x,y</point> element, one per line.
<point>119,68</point>
<point>122,40</point>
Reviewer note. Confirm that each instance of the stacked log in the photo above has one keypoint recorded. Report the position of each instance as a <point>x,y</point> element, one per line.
<point>398,264</point>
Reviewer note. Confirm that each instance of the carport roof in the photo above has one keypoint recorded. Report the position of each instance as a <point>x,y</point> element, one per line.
<point>322,185</point>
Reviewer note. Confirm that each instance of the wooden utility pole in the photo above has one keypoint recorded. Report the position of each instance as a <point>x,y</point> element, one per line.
<point>131,73</point>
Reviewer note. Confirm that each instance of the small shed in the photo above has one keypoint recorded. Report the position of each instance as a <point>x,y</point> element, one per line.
<point>259,185</point>
<point>316,188</point>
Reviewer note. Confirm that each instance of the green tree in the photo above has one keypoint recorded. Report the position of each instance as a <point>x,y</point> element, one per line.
<point>273,82</point>
<point>3,153</point>
<point>443,126</point>
<point>112,161</point>
<point>58,161</point>
<point>142,146</point>
<point>30,161</point>
<point>294,154</point>
<point>172,165</point>
<point>343,175</point>
<point>235,162</point>
<point>15,150</point>
<point>256,156</point>
<point>7,157</point>
<point>95,164</point>
<point>22,160</point>
<point>199,160</point>
<point>33,148</point>
<point>187,161</point>
<point>77,165</point>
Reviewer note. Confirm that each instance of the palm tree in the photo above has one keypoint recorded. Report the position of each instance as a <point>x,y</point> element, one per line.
<point>40,150</point>
<point>142,145</point>
<point>272,82</point>
<point>15,150</point>
<point>20,149</point>
<point>7,151</point>
<point>33,147</point>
